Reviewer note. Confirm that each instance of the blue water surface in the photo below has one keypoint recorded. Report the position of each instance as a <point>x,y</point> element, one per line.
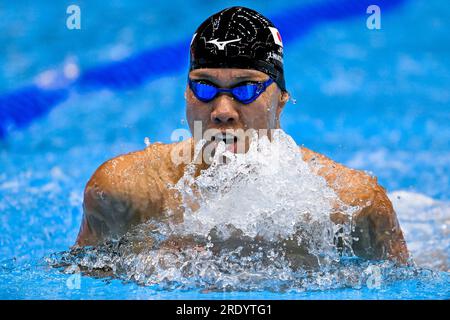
<point>376,100</point>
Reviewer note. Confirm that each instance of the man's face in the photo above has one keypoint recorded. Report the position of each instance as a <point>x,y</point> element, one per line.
<point>226,113</point>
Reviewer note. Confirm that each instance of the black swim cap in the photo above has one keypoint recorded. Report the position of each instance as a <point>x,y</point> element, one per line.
<point>239,37</point>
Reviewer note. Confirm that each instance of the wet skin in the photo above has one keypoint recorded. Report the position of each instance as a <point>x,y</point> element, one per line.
<point>131,189</point>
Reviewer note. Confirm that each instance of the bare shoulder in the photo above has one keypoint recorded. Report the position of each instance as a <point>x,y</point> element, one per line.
<point>354,187</point>
<point>124,191</point>
<point>128,173</point>
<point>375,223</point>
<point>117,175</point>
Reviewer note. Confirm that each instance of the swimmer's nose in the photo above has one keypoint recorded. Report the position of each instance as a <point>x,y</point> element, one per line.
<point>224,111</point>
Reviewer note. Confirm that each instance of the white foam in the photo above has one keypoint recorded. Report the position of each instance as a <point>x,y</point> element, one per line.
<point>269,192</point>
<point>426,226</point>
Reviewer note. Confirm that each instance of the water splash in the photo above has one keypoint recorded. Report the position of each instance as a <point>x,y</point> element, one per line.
<point>269,193</point>
<point>254,221</point>
<point>426,225</point>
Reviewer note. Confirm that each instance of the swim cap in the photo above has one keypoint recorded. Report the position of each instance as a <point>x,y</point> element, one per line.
<point>239,37</point>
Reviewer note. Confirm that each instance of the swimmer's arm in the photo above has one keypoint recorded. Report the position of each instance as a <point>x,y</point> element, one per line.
<point>376,225</point>
<point>106,214</point>
<point>123,192</point>
<point>377,230</point>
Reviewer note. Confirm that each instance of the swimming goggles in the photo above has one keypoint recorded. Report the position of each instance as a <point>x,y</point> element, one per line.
<point>245,94</point>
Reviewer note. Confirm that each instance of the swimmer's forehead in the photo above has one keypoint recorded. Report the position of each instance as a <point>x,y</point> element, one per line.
<point>226,75</point>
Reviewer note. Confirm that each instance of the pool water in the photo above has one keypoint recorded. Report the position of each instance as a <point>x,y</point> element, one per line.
<point>375,100</point>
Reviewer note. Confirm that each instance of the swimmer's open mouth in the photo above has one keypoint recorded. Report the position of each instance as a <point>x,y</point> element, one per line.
<point>225,137</point>
<point>230,140</point>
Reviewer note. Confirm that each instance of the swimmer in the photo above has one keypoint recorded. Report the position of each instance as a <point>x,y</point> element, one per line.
<point>235,83</point>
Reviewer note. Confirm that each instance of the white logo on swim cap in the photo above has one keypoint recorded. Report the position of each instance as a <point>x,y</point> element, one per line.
<point>221,44</point>
<point>276,36</point>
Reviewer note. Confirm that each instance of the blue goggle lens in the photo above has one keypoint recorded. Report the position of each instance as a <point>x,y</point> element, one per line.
<point>244,94</point>
<point>204,91</point>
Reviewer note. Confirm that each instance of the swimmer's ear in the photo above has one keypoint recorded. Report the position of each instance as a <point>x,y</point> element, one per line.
<point>186,92</point>
<point>284,97</point>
